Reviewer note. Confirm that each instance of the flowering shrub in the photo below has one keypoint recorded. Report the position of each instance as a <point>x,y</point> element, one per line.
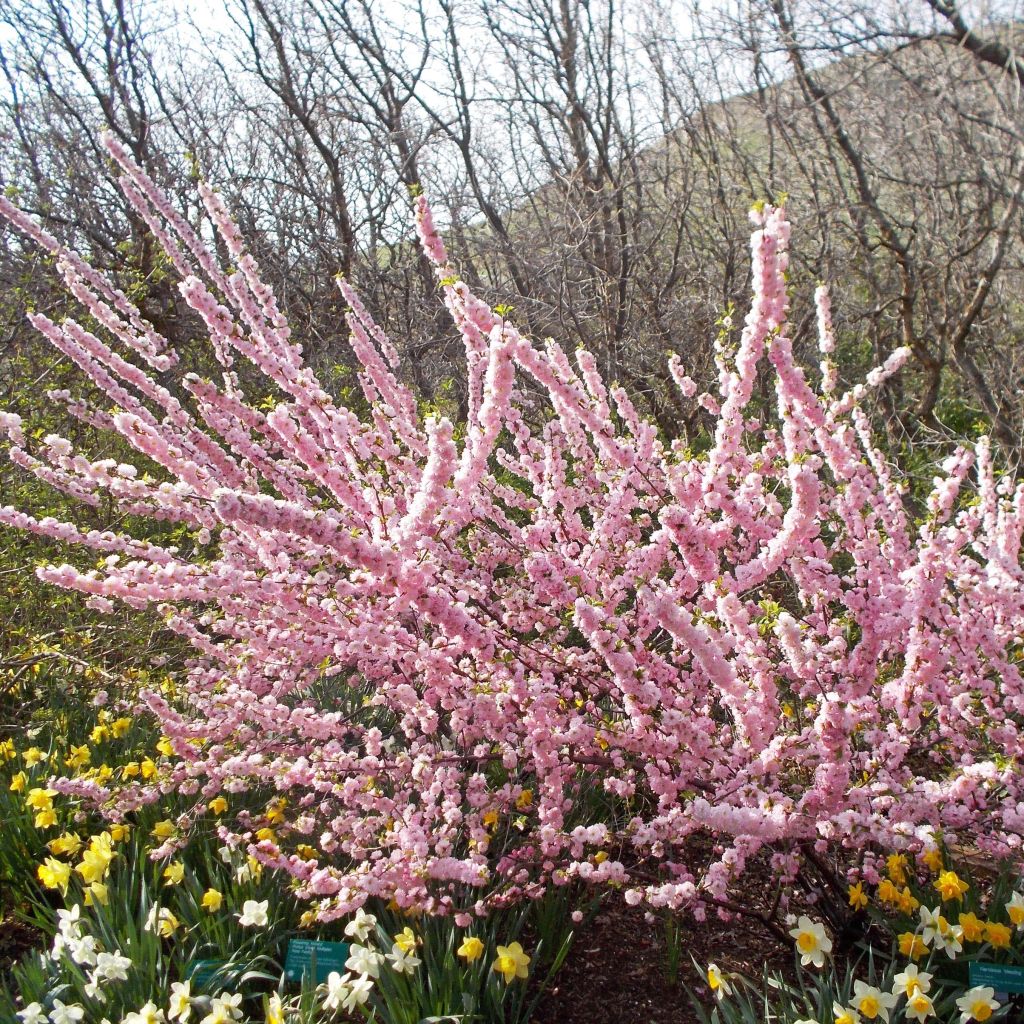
<point>559,649</point>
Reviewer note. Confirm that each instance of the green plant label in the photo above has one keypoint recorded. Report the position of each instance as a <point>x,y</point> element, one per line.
<point>314,958</point>
<point>1001,977</point>
<point>202,972</point>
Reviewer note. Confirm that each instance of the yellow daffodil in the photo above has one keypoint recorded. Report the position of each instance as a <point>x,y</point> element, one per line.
<point>119,832</point>
<point>55,874</point>
<point>66,845</point>
<point>174,873</point>
<point>40,799</point>
<point>305,851</point>
<point>490,818</point>
<point>998,935</point>
<point>600,857</point>
<point>46,819</point>
<point>888,893</point>
<point>99,734</point>
<point>33,756</point>
<point>267,834</point>
<point>218,805</point>
<point>163,746</point>
<point>525,800</point>
<point>973,926</point>
<point>950,886</point>
<point>119,727</point>
<point>896,866</point>
<point>18,782</point>
<point>912,945</point>
<point>907,903</point>
<point>511,962</point>
<point>275,810</point>
<point>163,829</point>
<point>96,860</point>
<point>7,751</point>
<point>471,949</point>
<point>78,757</point>
<point>720,988</point>
<point>130,770</point>
<point>148,768</point>
<point>212,900</point>
<point>406,940</point>
<point>857,896</point>
<point>931,858</point>
<point>97,893</point>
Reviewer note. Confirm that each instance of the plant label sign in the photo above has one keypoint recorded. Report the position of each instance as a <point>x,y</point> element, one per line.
<point>314,958</point>
<point>1001,977</point>
<point>202,972</point>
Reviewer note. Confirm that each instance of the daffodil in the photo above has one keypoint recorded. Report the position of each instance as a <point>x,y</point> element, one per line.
<point>910,981</point>
<point>33,756</point>
<point>67,844</point>
<point>406,940</point>
<point>403,961</point>
<point>1015,910</point>
<point>78,757</point>
<point>845,1014</point>
<point>973,927</point>
<point>998,935</point>
<point>811,942</point>
<point>717,982</point>
<point>950,886</point>
<point>218,805</point>
<point>912,945</point>
<point>97,892</point>
<point>163,829</point>
<point>212,900</point>
<point>55,874</point>
<point>18,782</point>
<point>857,896</point>
<point>40,799</point>
<point>275,1010</point>
<point>977,1004</point>
<point>254,914</point>
<point>361,925</point>
<point>181,1001</point>
<point>919,1007</point>
<point>471,949</point>
<point>511,962</point>
<point>871,1002</point>
<point>896,867</point>
<point>931,858</point>
<point>525,800</point>
<point>174,873</point>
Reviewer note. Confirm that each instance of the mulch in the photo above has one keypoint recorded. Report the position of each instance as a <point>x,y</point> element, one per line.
<point>618,969</point>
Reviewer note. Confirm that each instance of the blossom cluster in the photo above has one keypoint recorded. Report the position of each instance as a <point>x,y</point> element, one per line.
<point>428,650</point>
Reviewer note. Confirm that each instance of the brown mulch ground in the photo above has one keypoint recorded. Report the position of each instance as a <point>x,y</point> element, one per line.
<point>16,939</point>
<point>616,972</point>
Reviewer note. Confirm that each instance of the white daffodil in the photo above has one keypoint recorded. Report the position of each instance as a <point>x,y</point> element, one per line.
<point>717,983</point>
<point>911,980</point>
<point>254,914</point>
<point>360,927</point>
<point>337,989</point>
<point>1015,910</point>
<point>977,1004</point>
<point>63,1013</point>
<point>149,1014</point>
<point>112,966</point>
<point>181,1001</point>
<point>359,990</point>
<point>872,1003</point>
<point>919,1007</point>
<point>811,942</point>
<point>364,960</point>
<point>32,1014</point>
<point>403,962</point>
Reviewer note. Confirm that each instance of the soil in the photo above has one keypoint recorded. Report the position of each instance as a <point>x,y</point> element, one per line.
<point>617,970</point>
<point>16,939</point>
